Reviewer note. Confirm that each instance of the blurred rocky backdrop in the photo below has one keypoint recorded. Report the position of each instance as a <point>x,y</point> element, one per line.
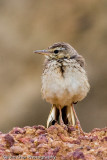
<point>27,25</point>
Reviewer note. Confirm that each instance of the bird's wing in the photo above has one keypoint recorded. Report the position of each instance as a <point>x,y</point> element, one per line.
<point>80,60</point>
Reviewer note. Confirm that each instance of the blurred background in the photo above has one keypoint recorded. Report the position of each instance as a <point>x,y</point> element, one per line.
<point>27,25</point>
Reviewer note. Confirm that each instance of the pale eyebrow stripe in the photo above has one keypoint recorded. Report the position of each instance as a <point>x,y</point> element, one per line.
<point>61,49</point>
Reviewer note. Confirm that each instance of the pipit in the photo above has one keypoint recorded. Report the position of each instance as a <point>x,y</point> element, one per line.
<point>64,82</point>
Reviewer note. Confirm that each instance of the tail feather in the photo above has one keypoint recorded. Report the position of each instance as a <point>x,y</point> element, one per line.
<point>53,115</point>
<point>70,115</point>
<point>67,115</point>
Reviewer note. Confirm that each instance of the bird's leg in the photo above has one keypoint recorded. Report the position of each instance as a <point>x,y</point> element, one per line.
<point>77,120</point>
<point>60,116</point>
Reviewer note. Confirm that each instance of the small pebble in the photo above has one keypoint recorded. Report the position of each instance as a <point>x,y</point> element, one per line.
<point>9,140</point>
<point>16,150</point>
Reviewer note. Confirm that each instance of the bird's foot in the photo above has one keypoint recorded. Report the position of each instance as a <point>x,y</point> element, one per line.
<point>78,126</point>
<point>64,126</point>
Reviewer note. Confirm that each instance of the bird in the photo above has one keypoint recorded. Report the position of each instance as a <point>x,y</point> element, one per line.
<point>64,82</point>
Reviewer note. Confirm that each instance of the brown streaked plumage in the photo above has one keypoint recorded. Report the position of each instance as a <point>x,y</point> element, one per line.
<point>64,81</point>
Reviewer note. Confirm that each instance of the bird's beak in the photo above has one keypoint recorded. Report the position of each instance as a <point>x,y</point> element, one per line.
<point>43,52</point>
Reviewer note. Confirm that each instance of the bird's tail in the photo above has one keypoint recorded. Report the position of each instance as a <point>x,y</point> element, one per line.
<point>53,115</point>
<point>67,115</point>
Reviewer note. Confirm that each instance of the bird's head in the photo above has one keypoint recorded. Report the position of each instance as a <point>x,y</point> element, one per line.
<point>58,50</point>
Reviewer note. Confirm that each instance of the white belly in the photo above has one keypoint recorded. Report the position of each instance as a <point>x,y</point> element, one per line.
<point>64,89</point>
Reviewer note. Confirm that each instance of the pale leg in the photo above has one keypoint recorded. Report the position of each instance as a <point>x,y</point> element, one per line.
<point>60,116</point>
<point>77,120</point>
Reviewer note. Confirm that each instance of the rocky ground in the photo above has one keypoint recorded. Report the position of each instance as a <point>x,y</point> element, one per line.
<point>30,25</point>
<point>56,142</point>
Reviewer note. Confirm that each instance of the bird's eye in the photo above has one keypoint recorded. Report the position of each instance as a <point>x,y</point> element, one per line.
<point>56,51</point>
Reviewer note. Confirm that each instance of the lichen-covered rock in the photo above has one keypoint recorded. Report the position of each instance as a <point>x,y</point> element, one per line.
<point>56,142</point>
